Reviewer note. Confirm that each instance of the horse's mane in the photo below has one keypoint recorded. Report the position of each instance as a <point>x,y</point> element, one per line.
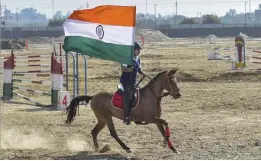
<point>155,78</point>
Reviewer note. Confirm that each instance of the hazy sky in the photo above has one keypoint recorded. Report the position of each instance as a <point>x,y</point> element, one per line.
<point>185,7</point>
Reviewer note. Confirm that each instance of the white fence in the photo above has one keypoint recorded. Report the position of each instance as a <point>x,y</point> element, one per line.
<point>172,26</point>
<point>213,25</point>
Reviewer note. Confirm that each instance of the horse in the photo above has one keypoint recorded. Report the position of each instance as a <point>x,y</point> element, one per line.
<point>146,110</point>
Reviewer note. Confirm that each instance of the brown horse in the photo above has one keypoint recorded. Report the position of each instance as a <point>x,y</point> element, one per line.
<point>147,111</point>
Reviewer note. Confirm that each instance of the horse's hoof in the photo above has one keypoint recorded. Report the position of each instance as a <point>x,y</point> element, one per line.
<point>176,151</point>
<point>129,151</point>
<point>106,148</point>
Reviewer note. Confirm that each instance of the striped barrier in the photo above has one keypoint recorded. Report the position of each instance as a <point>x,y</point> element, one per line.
<point>32,91</point>
<point>29,99</point>
<point>254,57</point>
<point>56,74</point>
<point>31,81</point>
<point>33,71</point>
<point>254,62</point>
<point>238,58</point>
<point>215,54</point>
<point>255,51</point>
<point>32,74</point>
<point>12,77</point>
<point>226,49</point>
<point>241,55</point>
<point>32,65</point>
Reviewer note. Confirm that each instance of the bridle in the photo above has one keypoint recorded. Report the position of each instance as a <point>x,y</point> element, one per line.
<point>151,90</point>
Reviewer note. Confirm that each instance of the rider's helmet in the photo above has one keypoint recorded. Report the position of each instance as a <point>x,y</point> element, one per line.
<point>137,46</point>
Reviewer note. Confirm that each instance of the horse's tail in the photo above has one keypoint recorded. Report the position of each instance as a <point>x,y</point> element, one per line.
<point>71,110</point>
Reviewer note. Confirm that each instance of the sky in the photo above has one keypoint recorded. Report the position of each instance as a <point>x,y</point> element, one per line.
<point>190,8</point>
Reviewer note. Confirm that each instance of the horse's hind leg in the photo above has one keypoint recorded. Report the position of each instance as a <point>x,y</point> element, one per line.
<point>95,131</point>
<point>113,133</point>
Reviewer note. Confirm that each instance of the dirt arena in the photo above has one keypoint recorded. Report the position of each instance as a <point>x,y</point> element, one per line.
<point>218,116</point>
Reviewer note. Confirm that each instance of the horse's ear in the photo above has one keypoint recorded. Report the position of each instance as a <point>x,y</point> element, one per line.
<point>169,73</point>
<point>175,70</point>
<point>172,72</point>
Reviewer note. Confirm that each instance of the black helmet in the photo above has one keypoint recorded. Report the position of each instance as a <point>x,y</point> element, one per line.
<point>137,46</point>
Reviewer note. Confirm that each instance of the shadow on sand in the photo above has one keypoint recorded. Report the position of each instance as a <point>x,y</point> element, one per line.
<point>37,108</point>
<point>44,154</point>
<point>86,156</point>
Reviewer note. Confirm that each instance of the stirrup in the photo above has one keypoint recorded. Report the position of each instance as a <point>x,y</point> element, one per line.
<point>140,123</point>
<point>127,121</point>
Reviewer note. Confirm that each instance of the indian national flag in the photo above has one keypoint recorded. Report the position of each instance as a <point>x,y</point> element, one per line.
<point>105,32</point>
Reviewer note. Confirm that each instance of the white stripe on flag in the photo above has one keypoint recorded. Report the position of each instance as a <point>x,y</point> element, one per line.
<point>112,34</point>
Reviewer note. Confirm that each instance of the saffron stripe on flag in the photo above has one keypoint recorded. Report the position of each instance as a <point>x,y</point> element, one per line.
<point>107,15</point>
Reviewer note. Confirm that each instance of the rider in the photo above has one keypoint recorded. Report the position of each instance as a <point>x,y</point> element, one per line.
<point>128,81</point>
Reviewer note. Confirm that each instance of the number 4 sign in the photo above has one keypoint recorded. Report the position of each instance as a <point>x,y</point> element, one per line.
<point>64,99</point>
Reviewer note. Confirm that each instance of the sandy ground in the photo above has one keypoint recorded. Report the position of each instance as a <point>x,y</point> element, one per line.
<point>218,116</point>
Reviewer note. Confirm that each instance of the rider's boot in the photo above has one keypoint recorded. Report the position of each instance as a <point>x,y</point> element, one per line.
<point>127,119</point>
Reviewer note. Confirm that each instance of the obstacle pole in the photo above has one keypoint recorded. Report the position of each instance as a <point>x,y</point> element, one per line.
<point>8,77</point>
<point>240,53</point>
<point>57,80</point>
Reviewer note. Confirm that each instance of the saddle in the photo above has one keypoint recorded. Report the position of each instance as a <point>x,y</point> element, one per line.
<point>117,98</point>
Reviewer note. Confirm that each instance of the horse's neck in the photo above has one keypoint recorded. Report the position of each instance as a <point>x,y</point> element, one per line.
<point>154,88</point>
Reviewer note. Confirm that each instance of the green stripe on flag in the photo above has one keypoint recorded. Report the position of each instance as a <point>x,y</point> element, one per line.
<point>96,48</point>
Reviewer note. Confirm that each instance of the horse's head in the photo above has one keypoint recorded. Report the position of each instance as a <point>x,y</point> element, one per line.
<point>170,83</point>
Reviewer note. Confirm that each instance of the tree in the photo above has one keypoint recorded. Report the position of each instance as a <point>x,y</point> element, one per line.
<point>58,15</point>
<point>8,14</point>
<point>231,12</point>
<point>189,21</point>
<point>28,13</point>
<point>57,19</point>
<point>211,19</point>
<point>177,19</point>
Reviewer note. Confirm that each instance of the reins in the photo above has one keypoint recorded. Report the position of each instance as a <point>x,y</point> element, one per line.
<point>158,97</point>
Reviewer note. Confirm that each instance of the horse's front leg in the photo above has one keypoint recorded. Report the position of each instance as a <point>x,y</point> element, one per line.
<point>162,131</point>
<point>161,123</point>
